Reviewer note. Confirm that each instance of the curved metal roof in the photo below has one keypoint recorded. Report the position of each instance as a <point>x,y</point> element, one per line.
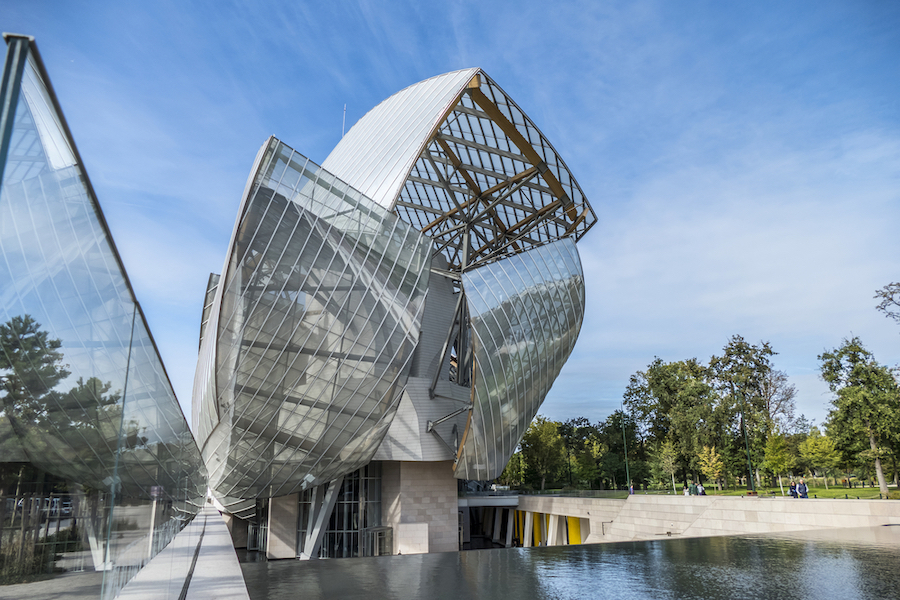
<point>457,158</point>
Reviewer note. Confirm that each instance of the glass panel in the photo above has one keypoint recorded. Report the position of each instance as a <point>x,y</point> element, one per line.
<point>525,324</point>
<point>98,469</point>
<point>320,311</point>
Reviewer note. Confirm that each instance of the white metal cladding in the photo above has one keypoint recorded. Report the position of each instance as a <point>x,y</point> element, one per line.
<point>458,159</point>
<point>377,153</point>
<point>316,318</point>
<point>525,312</point>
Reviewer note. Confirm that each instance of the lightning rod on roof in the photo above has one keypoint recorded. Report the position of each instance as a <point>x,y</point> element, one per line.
<point>344,122</point>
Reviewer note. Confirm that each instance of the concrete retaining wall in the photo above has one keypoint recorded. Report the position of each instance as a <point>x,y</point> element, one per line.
<point>652,517</point>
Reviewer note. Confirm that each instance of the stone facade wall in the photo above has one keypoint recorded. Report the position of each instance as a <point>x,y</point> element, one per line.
<point>419,500</point>
<point>283,514</point>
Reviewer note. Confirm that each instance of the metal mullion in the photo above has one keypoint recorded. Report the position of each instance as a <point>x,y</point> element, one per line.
<point>316,399</point>
<point>534,317</point>
<point>519,392</point>
<point>408,357</point>
<point>251,200</point>
<point>503,367</point>
<point>506,194</point>
<point>371,367</point>
<point>443,184</point>
<point>247,311</point>
<point>472,144</point>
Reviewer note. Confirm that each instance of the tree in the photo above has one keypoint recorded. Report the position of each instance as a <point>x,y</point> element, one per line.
<point>31,362</point>
<point>543,448</point>
<point>777,457</point>
<point>820,452</point>
<point>890,301</point>
<point>711,465</point>
<point>514,472</point>
<point>867,402</point>
<point>742,375</point>
<point>778,400</point>
<point>674,401</point>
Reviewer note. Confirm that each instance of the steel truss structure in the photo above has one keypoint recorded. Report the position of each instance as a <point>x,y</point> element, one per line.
<point>482,199</point>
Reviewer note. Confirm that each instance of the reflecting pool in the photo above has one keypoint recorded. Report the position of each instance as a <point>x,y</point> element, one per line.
<point>846,563</point>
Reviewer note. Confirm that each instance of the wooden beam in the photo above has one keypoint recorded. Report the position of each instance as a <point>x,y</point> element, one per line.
<point>522,144</point>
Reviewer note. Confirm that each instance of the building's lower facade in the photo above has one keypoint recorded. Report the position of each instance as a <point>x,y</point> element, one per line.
<point>387,325</point>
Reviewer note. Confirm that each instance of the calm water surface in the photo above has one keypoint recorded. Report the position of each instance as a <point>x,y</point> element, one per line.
<point>848,563</point>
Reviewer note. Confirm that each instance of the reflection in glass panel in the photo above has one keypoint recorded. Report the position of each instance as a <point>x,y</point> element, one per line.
<point>98,469</point>
<point>525,319</point>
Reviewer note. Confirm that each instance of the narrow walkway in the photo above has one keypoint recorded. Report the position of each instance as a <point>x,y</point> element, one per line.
<point>184,571</point>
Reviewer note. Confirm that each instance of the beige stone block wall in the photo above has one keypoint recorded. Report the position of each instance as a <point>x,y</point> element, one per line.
<point>422,494</point>
<point>283,514</point>
<point>239,530</point>
<point>411,538</point>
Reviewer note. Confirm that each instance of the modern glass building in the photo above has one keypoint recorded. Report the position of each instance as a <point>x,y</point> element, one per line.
<point>98,468</point>
<point>396,315</point>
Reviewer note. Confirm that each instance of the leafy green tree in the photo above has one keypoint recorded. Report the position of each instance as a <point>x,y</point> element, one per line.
<point>777,457</point>
<point>31,364</point>
<point>741,376</point>
<point>867,403</point>
<point>514,472</point>
<point>665,463</point>
<point>619,435</point>
<point>819,452</point>
<point>674,401</point>
<point>543,449</point>
<point>711,465</point>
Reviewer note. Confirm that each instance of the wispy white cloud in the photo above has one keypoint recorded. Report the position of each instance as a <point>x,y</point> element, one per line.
<point>742,159</point>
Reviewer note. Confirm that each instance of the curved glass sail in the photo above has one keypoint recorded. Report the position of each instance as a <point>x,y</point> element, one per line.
<point>525,312</point>
<point>307,346</point>
<point>98,468</point>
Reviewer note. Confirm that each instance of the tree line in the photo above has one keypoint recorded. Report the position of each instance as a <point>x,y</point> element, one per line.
<point>729,422</point>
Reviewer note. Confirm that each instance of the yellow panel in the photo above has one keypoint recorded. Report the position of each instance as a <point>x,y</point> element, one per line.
<point>574,530</point>
<point>537,529</point>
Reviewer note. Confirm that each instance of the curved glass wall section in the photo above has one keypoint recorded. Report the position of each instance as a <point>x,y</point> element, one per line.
<point>307,345</point>
<point>98,468</point>
<point>525,313</point>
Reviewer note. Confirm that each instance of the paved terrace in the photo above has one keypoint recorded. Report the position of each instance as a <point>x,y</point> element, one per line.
<point>185,570</point>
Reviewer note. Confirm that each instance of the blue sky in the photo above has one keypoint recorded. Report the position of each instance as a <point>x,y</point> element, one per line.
<point>744,161</point>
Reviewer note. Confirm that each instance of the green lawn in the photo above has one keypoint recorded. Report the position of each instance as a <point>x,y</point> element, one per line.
<point>866,493</point>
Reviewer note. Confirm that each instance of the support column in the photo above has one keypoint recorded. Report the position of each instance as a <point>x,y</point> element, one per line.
<point>322,513</point>
<point>495,534</point>
<point>510,526</point>
<point>529,530</point>
<point>551,530</point>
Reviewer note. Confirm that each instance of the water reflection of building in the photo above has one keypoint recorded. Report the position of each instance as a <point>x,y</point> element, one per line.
<point>98,468</point>
<point>388,323</point>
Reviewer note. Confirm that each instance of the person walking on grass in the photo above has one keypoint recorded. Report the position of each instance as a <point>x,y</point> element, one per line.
<point>802,489</point>
<point>793,489</point>
<point>693,489</point>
